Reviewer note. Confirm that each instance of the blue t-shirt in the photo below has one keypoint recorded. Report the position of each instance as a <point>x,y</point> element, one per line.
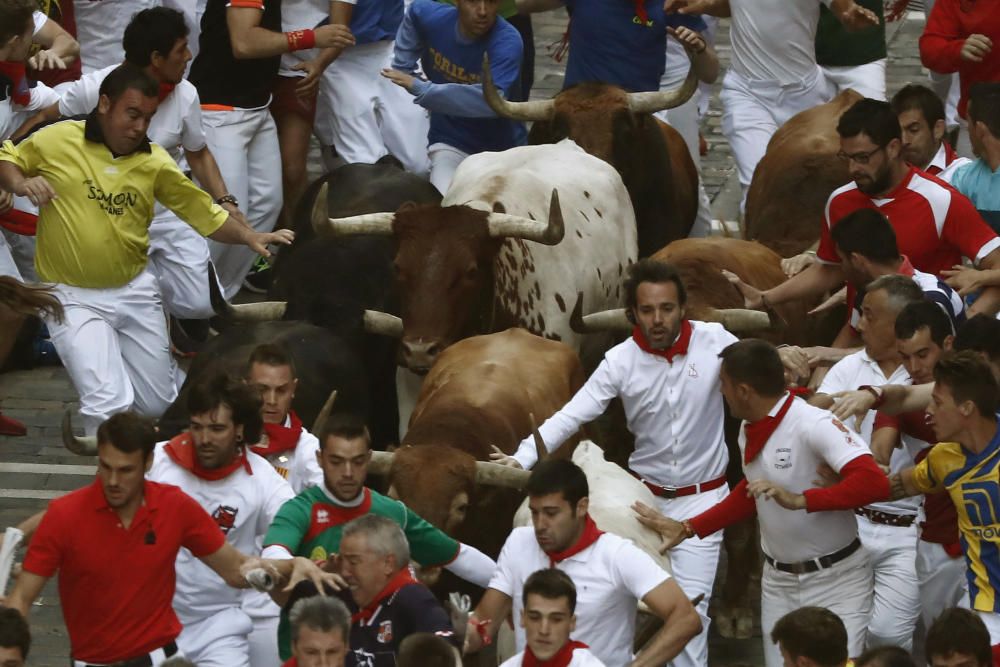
<point>376,20</point>
<point>609,43</point>
<point>981,185</point>
<point>460,116</point>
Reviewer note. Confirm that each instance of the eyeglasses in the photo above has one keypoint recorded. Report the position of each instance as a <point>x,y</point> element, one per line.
<point>860,158</point>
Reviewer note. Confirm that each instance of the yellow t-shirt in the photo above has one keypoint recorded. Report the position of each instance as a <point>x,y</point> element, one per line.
<point>96,234</point>
<point>973,483</point>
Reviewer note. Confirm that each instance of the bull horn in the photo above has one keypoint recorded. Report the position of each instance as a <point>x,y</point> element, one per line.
<point>381,463</point>
<point>740,320</point>
<point>319,213</point>
<point>529,111</point>
<point>265,311</point>
<point>604,320</point>
<point>650,102</point>
<point>494,474</point>
<point>369,223</point>
<point>549,233</point>
<point>383,324</point>
<point>324,414</point>
<point>79,445</point>
<point>540,449</point>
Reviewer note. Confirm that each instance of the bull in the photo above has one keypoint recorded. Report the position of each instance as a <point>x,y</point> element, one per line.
<point>792,182</point>
<point>619,128</point>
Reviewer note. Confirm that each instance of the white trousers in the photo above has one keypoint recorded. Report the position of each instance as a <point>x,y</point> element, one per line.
<point>896,604</point>
<point>365,116</point>
<point>264,642</point>
<point>113,343</point>
<point>867,79</point>
<point>245,145</point>
<point>845,588</point>
<point>685,120</point>
<point>179,256</point>
<point>694,563</point>
<point>219,640</point>
<point>754,110</point>
<point>941,579</point>
<point>444,162</point>
<point>8,266</point>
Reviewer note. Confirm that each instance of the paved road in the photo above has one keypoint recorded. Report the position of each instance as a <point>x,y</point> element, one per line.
<point>35,468</point>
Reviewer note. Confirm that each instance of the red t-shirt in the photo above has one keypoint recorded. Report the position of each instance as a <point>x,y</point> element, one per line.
<point>935,225</point>
<point>116,585</point>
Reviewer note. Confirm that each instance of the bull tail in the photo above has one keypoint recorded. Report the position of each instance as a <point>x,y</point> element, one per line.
<point>29,300</point>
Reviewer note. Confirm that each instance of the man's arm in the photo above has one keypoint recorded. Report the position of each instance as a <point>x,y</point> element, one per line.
<point>36,188</point>
<point>735,507</point>
<point>250,40</point>
<point>944,46</point>
<point>486,618</point>
<point>59,49</point>
<point>718,8</point>
<point>26,591</point>
<point>534,6</point>
<point>884,441</point>
<point>340,14</point>
<point>988,301</point>
<point>815,280</point>
<point>853,16</point>
<point>902,485</point>
<point>896,399</point>
<point>680,624</point>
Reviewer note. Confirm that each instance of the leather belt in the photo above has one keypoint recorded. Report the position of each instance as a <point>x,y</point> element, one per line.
<point>816,564</point>
<point>886,518</point>
<point>146,660</point>
<point>676,492</point>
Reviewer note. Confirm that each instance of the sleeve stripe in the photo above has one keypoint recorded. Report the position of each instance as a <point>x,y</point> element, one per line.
<point>250,4</point>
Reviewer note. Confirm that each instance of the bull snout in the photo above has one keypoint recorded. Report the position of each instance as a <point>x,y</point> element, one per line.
<point>419,355</point>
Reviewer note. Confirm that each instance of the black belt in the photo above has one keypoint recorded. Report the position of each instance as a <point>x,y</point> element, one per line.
<point>142,661</point>
<point>886,518</point>
<point>815,564</point>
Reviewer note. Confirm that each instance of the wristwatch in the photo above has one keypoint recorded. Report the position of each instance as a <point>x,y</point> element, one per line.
<point>877,392</point>
<point>227,199</point>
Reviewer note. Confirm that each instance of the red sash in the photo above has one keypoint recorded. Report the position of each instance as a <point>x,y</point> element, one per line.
<point>19,222</point>
<point>680,345</point>
<point>400,579</point>
<point>181,451</point>
<point>590,534</point>
<point>560,659</point>
<point>20,93</point>
<point>280,438</point>
<point>759,432</point>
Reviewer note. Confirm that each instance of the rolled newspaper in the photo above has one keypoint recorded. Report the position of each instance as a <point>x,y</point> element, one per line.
<point>260,579</point>
<point>11,539</point>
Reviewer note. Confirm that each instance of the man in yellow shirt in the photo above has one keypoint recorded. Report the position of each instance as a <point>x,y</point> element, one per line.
<point>96,183</point>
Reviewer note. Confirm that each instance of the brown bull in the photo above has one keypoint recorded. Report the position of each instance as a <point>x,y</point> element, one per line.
<point>480,393</point>
<point>789,189</point>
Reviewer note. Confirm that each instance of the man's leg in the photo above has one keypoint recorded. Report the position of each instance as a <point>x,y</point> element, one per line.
<point>88,346</point>
<point>145,347</point>
<point>779,594</point>
<point>444,163</point>
<point>179,257</point>
<point>845,589</point>
<point>404,126</point>
<point>264,642</point>
<point>896,603</point>
<point>264,197</point>
<point>349,89</point>
<point>294,117</point>
<point>867,79</point>
<point>218,641</point>
<point>941,579</point>
<point>748,124</point>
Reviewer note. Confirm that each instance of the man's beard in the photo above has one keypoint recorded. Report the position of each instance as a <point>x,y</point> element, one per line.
<point>879,184</point>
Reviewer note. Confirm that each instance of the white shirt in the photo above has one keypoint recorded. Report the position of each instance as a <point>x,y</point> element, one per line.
<point>301,15</point>
<point>246,503</point>
<point>100,26</point>
<point>38,20</point>
<point>806,437</point>
<point>13,115</point>
<point>611,576</point>
<point>940,161</point>
<point>581,658</point>
<point>176,125</point>
<point>775,40</point>
<point>299,466</point>
<point>856,370</point>
<point>674,409</point>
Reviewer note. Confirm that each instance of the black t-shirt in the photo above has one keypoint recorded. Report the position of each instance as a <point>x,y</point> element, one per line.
<point>413,608</point>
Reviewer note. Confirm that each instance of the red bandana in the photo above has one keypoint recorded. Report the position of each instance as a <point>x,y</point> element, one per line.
<point>181,450</point>
<point>590,534</point>
<point>280,438</point>
<point>680,345</point>
<point>560,659</point>
<point>166,89</point>
<point>19,222</point>
<point>400,579</point>
<point>760,431</point>
<point>640,11</point>
<point>19,90</point>
<point>291,662</point>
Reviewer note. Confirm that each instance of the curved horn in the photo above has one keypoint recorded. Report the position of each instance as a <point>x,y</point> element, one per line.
<point>246,312</point>
<point>740,320</point>
<point>319,213</point>
<point>603,320</point>
<point>79,445</point>
<point>532,111</point>
<point>541,451</point>
<point>659,100</point>
<point>324,414</point>
<point>380,463</point>
<point>494,474</point>
<point>383,324</point>
<point>549,233</point>
<point>369,223</point>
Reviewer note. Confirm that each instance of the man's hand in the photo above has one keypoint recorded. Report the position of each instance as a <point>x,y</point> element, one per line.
<point>968,280</point>
<point>771,491</point>
<point>499,456</point>
<point>44,60</point>
<point>798,264</point>
<point>303,569</point>
<point>752,297</point>
<point>692,42</point>
<point>838,297</point>
<point>235,213</point>
<point>853,16</point>
<point>401,79</point>
<point>975,48</point>
<point>258,242</point>
<point>849,404</point>
<point>37,190</point>
<point>334,35</point>
<point>687,6</point>
<point>796,363</point>
<point>671,531</point>
<point>827,476</point>
<point>309,84</point>
<point>6,201</point>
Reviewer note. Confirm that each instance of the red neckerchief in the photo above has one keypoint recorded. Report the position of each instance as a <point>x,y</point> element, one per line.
<point>280,438</point>
<point>166,89</point>
<point>590,535</point>
<point>19,222</point>
<point>19,90</point>
<point>400,579</point>
<point>680,345</point>
<point>640,11</point>
<point>560,659</point>
<point>291,662</point>
<point>181,450</point>
<point>760,431</point>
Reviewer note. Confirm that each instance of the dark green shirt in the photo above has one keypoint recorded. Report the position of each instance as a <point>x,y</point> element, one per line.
<point>838,47</point>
